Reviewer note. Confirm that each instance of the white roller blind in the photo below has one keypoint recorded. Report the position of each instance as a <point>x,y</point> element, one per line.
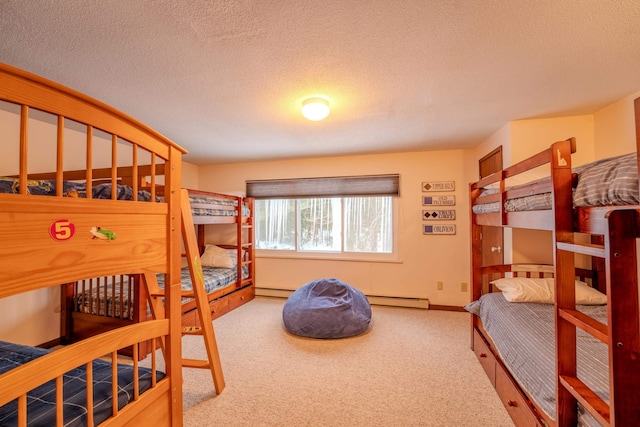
<point>341,186</point>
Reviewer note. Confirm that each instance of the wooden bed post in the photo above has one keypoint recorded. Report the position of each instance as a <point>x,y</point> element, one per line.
<point>624,336</point>
<point>564,273</point>
<point>173,288</point>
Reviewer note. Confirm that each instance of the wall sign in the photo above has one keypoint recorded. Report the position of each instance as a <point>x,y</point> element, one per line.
<point>439,229</point>
<point>439,215</point>
<point>438,186</point>
<point>438,200</point>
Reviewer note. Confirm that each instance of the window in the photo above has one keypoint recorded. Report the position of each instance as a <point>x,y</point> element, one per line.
<point>339,216</point>
<point>330,225</point>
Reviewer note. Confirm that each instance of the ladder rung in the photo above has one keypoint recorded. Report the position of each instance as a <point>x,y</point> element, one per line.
<point>590,400</point>
<point>192,330</point>
<point>584,248</point>
<point>195,363</point>
<point>586,323</point>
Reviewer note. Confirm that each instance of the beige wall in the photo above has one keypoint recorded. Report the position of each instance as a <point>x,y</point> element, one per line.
<point>614,129</point>
<point>423,260</point>
<point>528,137</point>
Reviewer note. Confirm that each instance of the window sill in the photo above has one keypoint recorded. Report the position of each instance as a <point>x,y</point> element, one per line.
<point>391,259</point>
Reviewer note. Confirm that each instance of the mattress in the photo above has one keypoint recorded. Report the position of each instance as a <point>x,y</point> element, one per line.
<point>200,199</point>
<point>101,300</point>
<point>41,407</point>
<point>608,182</point>
<point>523,334</point>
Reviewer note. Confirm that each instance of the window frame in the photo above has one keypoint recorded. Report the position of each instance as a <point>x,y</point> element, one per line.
<point>341,255</point>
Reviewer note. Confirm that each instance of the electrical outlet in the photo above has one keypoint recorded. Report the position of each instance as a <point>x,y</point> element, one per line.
<point>463,286</point>
<point>439,286</point>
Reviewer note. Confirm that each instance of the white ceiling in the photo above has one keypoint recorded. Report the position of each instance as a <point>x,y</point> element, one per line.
<point>226,78</point>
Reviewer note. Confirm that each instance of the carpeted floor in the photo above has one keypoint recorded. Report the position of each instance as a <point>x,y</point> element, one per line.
<point>411,368</point>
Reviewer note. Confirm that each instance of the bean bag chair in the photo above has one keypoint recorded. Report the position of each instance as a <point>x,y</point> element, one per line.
<point>326,308</point>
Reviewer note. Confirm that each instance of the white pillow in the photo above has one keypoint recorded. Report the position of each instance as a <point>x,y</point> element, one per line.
<point>523,289</point>
<point>215,256</point>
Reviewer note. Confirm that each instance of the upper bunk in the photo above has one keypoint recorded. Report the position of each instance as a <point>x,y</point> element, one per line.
<point>80,188</point>
<point>219,208</point>
<point>581,197</point>
<point>209,208</point>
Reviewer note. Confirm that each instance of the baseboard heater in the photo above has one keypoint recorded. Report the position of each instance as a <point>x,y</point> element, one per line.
<point>373,299</point>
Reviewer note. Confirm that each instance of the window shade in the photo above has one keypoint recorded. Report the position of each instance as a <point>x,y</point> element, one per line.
<point>342,186</point>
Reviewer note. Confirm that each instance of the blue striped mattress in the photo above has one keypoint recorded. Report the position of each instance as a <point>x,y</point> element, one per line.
<point>523,334</point>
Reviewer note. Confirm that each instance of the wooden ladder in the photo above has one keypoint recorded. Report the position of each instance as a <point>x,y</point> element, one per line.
<point>621,336</point>
<point>199,294</point>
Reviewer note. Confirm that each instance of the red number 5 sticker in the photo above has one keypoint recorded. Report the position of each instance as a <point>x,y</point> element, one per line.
<point>62,229</point>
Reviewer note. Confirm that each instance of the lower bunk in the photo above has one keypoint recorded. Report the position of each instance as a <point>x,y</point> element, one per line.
<point>83,384</point>
<point>514,339</point>
<point>97,305</point>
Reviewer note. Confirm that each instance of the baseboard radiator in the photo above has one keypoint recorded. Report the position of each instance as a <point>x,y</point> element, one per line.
<point>373,299</point>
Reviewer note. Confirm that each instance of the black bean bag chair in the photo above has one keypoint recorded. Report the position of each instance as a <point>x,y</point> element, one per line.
<point>326,308</point>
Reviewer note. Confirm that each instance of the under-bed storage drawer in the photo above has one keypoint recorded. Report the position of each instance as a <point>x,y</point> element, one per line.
<point>517,407</point>
<point>485,356</point>
<point>241,296</point>
<point>219,307</point>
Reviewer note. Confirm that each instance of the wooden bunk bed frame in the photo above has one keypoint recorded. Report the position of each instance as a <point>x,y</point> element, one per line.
<point>55,231</point>
<point>77,325</point>
<point>614,229</point>
<point>243,290</point>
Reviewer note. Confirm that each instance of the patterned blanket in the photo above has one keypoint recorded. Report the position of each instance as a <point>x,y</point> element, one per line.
<point>41,409</point>
<point>115,297</point>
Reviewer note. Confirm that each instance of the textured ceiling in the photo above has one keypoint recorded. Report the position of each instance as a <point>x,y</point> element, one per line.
<point>226,78</point>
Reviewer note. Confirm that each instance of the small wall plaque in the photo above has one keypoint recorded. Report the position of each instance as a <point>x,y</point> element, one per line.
<point>439,229</point>
<point>439,215</point>
<point>438,200</point>
<point>438,186</point>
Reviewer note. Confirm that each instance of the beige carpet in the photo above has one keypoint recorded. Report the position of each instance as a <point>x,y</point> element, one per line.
<point>412,368</point>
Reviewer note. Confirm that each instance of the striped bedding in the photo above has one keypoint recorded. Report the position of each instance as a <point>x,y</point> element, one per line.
<point>607,182</point>
<point>199,199</point>
<point>94,301</point>
<point>524,336</point>
<point>41,409</point>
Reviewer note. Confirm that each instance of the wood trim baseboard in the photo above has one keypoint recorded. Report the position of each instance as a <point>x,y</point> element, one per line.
<point>447,308</point>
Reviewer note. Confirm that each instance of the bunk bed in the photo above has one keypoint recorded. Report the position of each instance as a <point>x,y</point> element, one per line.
<point>68,225</point>
<point>103,303</point>
<point>582,354</point>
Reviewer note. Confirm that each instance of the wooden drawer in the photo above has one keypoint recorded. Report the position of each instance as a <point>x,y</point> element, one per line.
<point>190,318</point>
<point>517,406</point>
<point>485,356</point>
<point>241,296</point>
<point>219,307</point>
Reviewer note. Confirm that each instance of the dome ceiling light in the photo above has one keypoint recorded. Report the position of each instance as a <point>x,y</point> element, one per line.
<point>315,109</point>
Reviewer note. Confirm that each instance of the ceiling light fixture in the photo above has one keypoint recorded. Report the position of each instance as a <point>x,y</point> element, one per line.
<point>315,108</point>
